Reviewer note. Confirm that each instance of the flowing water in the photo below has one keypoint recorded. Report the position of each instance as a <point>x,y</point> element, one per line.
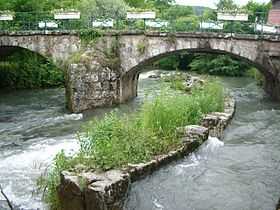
<point>240,173</point>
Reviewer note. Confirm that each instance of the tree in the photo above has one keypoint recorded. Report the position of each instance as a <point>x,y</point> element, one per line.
<point>160,5</point>
<point>136,3</point>
<point>226,5</point>
<point>103,8</point>
<point>218,65</point>
<point>257,11</point>
<point>209,14</point>
<point>176,11</point>
<point>23,5</point>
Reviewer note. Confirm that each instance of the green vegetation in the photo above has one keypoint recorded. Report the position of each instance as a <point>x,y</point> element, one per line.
<point>177,81</point>
<point>115,140</point>
<point>141,47</point>
<point>24,69</point>
<point>168,63</point>
<point>222,65</point>
<point>89,36</point>
<point>255,74</point>
<point>100,8</point>
<point>183,18</point>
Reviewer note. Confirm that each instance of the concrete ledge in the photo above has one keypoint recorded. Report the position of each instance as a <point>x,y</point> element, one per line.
<point>108,190</point>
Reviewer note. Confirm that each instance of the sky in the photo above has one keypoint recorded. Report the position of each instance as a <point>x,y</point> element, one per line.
<point>211,3</point>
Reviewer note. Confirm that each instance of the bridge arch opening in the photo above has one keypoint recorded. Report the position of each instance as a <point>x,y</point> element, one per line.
<point>22,68</point>
<point>129,80</point>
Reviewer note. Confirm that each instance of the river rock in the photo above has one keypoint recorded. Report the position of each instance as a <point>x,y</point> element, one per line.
<point>229,106</point>
<point>192,133</point>
<point>154,76</point>
<point>70,192</point>
<point>106,191</point>
<point>278,206</point>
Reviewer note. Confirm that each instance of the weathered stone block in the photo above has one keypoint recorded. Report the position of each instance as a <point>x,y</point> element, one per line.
<point>192,133</point>
<point>70,193</point>
<point>218,121</point>
<point>107,191</point>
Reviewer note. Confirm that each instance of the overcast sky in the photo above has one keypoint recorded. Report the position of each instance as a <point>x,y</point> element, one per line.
<point>212,3</point>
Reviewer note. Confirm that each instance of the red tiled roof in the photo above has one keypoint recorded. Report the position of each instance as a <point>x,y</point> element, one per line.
<point>274,17</point>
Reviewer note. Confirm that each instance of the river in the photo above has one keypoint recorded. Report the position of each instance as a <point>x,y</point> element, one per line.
<point>242,172</point>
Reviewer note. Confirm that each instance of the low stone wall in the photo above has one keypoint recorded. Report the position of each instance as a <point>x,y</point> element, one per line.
<point>108,190</point>
<point>217,122</point>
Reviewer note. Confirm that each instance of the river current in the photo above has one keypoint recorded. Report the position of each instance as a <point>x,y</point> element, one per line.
<point>242,172</point>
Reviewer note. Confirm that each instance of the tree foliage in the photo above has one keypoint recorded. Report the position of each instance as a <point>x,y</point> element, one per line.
<point>218,65</point>
<point>161,5</point>
<point>136,3</point>
<point>258,12</point>
<point>176,11</point>
<point>24,70</point>
<point>226,5</point>
<point>103,8</point>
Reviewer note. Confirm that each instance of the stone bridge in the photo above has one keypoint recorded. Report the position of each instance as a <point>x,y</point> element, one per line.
<point>105,71</point>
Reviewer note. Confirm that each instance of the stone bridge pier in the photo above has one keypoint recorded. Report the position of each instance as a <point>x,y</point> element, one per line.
<point>105,72</point>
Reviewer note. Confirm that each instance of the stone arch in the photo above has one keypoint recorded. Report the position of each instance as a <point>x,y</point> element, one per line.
<point>5,51</point>
<point>138,67</point>
<point>160,45</point>
<point>129,80</point>
<point>57,47</point>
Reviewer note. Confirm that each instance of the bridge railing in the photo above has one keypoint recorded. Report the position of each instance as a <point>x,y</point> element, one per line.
<point>25,21</point>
